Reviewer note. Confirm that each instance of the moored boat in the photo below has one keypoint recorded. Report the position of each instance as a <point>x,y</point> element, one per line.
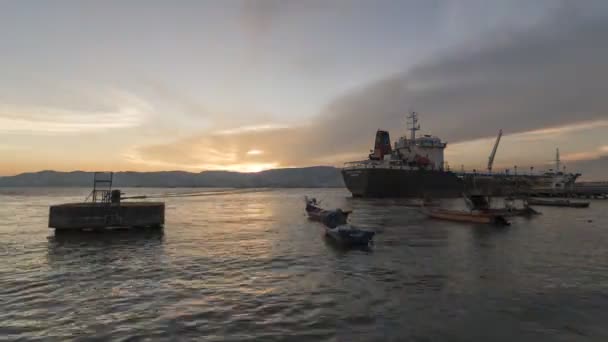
<point>336,227</point>
<point>348,235</point>
<point>467,216</point>
<point>481,203</point>
<point>557,203</point>
<point>330,218</point>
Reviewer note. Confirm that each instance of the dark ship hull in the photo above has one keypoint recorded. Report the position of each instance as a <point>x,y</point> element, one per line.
<point>386,182</point>
<point>378,182</point>
<point>414,168</point>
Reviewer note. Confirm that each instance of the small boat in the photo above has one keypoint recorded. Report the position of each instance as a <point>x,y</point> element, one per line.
<point>336,226</point>
<point>348,235</point>
<point>509,212</point>
<point>468,216</point>
<point>557,203</point>
<point>330,218</point>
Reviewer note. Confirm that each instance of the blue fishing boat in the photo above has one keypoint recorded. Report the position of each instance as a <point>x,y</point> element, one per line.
<point>336,226</point>
<point>349,235</point>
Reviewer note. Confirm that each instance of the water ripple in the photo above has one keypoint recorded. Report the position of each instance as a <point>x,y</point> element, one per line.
<point>252,267</point>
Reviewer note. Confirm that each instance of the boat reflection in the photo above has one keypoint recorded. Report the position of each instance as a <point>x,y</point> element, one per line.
<point>78,247</point>
<point>106,237</point>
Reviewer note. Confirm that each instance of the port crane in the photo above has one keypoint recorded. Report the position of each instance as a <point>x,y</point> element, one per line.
<point>493,154</point>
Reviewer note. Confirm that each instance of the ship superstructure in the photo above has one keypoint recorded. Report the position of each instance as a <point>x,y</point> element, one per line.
<point>416,153</point>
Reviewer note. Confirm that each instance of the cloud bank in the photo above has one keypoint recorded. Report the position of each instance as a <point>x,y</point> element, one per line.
<point>554,74</point>
<point>126,111</point>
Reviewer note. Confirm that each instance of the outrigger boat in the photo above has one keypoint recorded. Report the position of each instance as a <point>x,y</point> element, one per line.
<point>509,212</point>
<point>482,204</point>
<point>467,216</point>
<point>558,203</point>
<point>480,211</point>
<point>336,226</point>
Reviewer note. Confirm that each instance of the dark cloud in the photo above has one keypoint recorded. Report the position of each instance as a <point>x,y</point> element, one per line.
<point>551,75</point>
<point>260,16</point>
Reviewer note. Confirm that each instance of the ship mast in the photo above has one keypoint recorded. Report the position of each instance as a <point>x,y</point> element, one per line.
<point>557,161</point>
<point>413,125</point>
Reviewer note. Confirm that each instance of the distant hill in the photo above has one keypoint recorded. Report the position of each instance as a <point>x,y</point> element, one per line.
<point>308,177</point>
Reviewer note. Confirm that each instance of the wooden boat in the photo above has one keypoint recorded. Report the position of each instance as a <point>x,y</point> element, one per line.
<point>330,218</point>
<point>557,203</point>
<point>348,235</point>
<point>468,216</point>
<point>510,212</point>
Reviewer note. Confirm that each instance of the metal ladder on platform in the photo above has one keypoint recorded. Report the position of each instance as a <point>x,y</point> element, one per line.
<point>102,188</point>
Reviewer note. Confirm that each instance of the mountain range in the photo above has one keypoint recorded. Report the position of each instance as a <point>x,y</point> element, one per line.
<point>308,177</point>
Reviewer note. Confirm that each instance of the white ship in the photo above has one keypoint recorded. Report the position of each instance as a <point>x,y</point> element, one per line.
<point>554,181</point>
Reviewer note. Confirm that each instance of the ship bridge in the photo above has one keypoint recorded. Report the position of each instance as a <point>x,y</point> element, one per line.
<point>428,148</point>
<point>430,141</point>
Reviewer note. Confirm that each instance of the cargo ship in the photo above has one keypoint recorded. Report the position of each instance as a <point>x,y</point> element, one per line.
<point>413,168</point>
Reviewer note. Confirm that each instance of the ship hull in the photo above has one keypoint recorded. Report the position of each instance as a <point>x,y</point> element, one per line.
<point>386,182</point>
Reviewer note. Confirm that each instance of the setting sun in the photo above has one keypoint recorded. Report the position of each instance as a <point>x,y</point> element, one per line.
<point>254,152</point>
<point>251,167</point>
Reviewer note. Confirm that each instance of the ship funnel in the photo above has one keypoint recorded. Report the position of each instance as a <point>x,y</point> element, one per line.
<point>382,146</point>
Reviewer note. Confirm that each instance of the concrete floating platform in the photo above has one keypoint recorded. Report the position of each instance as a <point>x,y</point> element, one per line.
<point>78,216</point>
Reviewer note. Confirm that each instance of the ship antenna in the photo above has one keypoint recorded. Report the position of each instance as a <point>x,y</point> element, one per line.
<point>413,125</point>
<point>557,161</point>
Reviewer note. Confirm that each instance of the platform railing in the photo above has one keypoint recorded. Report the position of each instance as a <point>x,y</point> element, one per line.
<point>102,188</point>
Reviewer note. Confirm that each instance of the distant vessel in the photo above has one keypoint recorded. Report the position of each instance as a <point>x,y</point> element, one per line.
<point>554,181</point>
<point>558,203</point>
<point>414,168</point>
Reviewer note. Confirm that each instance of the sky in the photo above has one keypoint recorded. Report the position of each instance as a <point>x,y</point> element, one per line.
<point>252,85</point>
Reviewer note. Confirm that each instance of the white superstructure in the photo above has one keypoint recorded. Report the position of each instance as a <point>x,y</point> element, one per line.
<point>555,180</point>
<point>424,151</point>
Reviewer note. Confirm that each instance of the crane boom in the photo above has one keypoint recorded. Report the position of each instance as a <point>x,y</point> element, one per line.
<point>493,154</point>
